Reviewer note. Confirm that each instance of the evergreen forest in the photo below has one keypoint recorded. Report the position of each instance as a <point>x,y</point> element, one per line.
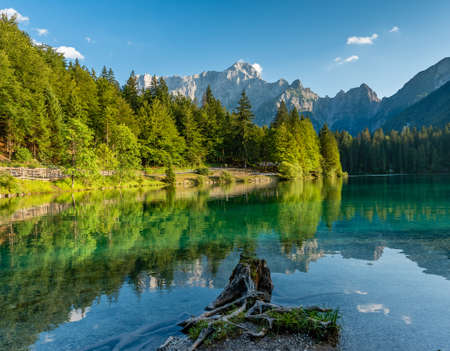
<point>58,113</point>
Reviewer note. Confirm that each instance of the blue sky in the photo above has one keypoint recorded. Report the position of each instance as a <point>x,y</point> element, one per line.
<point>289,39</point>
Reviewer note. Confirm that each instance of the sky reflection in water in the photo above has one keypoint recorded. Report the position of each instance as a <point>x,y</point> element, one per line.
<point>122,267</point>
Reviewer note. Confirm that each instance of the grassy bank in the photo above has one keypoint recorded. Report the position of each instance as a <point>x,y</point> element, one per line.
<point>155,178</point>
<point>218,176</point>
<point>10,186</point>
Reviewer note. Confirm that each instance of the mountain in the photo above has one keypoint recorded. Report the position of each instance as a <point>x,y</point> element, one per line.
<point>227,86</point>
<point>354,110</point>
<point>349,110</point>
<point>434,110</point>
<point>422,84</point>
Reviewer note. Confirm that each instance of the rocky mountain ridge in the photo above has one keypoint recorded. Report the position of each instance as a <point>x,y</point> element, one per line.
<point>417,88</point>
<point>353,110</point>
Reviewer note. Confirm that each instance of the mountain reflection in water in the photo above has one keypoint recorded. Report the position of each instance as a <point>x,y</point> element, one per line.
<point>60,256</point>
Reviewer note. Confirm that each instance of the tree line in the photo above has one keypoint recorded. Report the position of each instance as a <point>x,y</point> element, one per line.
<point>413,150</point>
<point>63,114</point>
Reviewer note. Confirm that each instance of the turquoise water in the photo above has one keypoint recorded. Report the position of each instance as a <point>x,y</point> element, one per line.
<point>115,271</point>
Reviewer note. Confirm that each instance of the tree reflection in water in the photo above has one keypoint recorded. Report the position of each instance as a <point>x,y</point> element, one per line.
<point>67,252</point>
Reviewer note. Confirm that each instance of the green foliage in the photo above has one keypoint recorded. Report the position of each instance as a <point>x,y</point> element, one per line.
<point>222,331</point>
<point>319,325</point>
<point>106,158</point>
<point>81,162</point>
<point>161,142</point>
<point>289,170</point>
<point>282,116</point>
<point>410,151</point>
<point>126,149</point>
<point>67,116</point>
<point>202,171</point>
<point>8,184</point>
<point>331,163</point>
<point>195,331</point>
<point>226,178</point>
<point>243,125</point>
<point>22,155</point>
<point>200,180</point>
<point>170,175</point>
<point>294,145</point>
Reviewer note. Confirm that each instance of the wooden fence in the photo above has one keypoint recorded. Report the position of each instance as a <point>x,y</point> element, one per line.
<point>41,173</point>
<point>34,173</point>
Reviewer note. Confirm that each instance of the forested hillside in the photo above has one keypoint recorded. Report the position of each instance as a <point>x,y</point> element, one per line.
<point>409,151</point>
<point>59,113</point>
<point>433,109</point>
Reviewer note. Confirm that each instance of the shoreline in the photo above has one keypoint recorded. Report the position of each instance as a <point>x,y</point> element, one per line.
<point>184,179</point>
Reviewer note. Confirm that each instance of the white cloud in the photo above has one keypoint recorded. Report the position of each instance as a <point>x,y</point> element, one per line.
<point>78,314</point>
<point>359,292</point>
<point>12,12</point>
<point>41,31</point>
<point>36,43</point>
<point>351,58</point>
<point>407,320</point>
<point>394,29</point>
<point>48,338</point>
<point>69,52</point>
<point>341,61</point>
<point>362,40</point>
<point>373,308</point>
<point>257,68</point>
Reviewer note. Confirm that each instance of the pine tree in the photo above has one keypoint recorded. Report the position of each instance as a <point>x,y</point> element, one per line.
<point>282,115</point>
<point>243,121</point>
<point>330,152</point>
<point>161,142</point>
<point>55,117</point>
<point>313,159</point>
<point>130,92</point>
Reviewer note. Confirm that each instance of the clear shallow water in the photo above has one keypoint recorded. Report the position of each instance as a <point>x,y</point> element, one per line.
<point>116,270</point>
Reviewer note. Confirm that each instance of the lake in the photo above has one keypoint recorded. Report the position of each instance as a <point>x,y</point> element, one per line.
<point>116,270</point>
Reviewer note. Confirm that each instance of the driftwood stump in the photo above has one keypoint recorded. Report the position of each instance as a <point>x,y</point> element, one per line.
<point>250,276</point>
<point>244,307</point>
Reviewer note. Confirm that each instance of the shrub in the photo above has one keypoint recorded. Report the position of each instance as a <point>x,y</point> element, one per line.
<point>8,183</point>
<point>289,170</point>
<point>202,171</point>
<point>23,155</point>
<point>199,180</point>
<point>226,178</point>
<point>33,164</point>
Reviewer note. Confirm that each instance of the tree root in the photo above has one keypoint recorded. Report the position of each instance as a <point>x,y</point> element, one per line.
<point>255,311</point>
<point>202,337</point>
<point>244,307</point>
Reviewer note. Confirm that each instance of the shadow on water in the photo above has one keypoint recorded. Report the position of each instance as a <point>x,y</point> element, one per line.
<point>62,254</point>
